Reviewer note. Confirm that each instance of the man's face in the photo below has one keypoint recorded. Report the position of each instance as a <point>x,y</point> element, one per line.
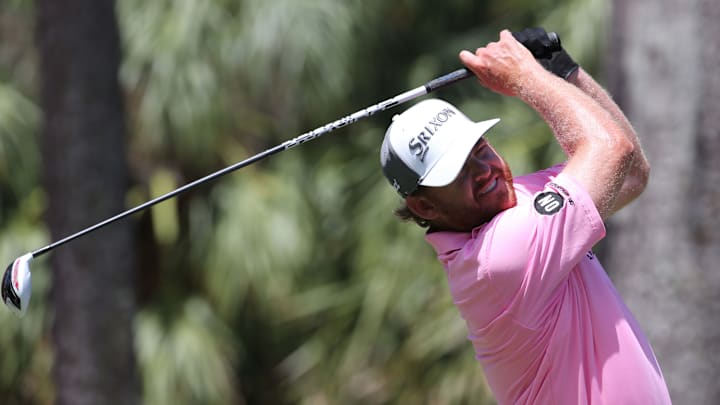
<point>482,189</point>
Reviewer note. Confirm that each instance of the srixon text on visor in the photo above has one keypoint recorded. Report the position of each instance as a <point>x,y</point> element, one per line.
<point>419,144</point>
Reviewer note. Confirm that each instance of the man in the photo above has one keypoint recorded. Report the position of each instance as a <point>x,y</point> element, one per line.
<point>547,324</point>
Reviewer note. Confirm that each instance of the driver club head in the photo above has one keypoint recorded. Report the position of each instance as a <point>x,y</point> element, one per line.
<point>16,285</point>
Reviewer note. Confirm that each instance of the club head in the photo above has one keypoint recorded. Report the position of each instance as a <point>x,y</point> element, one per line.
<point>16,285</point>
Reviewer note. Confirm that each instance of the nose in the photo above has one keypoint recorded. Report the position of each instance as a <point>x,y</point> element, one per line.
<point>479,169</point>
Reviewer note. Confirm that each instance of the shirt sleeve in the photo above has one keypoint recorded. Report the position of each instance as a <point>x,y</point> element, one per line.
<point>531,249</point>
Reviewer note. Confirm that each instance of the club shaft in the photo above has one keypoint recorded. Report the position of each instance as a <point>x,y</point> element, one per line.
<point>428,87</point>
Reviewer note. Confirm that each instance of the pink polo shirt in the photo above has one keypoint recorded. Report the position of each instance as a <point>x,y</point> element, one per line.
<point>547,324</point>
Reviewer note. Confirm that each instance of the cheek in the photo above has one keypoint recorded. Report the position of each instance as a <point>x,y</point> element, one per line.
<point>504,167</point>
<point>508,175</point>
<point>506,172</point>
<point>458,206</point>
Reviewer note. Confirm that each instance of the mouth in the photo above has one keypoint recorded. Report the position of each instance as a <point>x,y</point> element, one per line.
<point>492,185</point>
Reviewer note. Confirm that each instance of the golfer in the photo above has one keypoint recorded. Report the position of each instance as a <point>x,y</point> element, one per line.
<point>547,325</point>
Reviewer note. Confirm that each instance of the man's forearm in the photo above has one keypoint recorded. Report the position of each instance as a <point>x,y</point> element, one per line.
<point>639,168</point>
<point>569,112</point>
<point>587,84</point>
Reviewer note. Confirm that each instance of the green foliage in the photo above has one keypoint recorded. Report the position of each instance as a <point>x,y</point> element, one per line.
<point>289,281</point>
<point>24,347</point>
<point>188,359</point>
<point>19,156</point>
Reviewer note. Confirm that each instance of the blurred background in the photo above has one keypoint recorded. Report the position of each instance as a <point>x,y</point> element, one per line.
<point>290,281</point>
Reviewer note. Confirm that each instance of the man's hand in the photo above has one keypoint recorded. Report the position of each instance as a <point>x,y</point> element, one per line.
<point>503,66</point>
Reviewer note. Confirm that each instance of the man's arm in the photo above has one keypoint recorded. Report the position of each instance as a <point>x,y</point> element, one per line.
<point>639,172</point>
<point>600,153</point>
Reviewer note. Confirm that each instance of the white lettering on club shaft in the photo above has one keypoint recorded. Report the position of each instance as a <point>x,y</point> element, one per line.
<point>419,144</point>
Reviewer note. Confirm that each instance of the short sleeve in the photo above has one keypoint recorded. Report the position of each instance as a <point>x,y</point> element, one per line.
<point>529,250</point>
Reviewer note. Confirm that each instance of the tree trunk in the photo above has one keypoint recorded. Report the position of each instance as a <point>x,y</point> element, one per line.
<point>86,177</point>
<point>663,250</point>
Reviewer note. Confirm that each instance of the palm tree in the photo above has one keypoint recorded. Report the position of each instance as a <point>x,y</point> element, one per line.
<point>290,281</point>
<point>86,176</point>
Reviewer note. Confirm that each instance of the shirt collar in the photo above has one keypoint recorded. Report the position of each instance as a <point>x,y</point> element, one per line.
<point>445,242</point>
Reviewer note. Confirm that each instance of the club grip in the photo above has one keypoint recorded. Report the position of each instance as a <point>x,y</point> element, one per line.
<point>447,79</point>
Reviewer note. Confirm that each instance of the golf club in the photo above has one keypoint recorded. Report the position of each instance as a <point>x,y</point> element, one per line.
<point>16,281</point>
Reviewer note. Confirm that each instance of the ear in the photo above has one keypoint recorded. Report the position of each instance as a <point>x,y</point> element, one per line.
<point>422,207</point>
